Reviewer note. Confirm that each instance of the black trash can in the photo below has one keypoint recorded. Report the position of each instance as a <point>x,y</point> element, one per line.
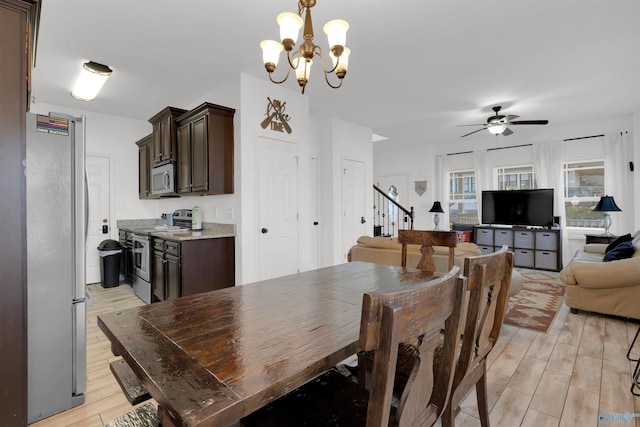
<point>110,252</point>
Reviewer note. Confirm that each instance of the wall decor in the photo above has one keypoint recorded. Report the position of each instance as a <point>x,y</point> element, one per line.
<point>420,187</point>
<point>276,118</point>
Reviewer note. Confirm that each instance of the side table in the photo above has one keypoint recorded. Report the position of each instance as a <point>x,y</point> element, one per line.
<point>598,238</point>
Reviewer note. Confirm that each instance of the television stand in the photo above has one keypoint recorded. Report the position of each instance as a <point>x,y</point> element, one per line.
<point>538,248</point>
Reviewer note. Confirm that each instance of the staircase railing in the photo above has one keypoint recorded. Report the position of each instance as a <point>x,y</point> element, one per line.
<point>388,215</point>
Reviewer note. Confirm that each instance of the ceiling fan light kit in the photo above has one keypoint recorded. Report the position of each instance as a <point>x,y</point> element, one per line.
<point>301,59</point>
<point>499,124</point>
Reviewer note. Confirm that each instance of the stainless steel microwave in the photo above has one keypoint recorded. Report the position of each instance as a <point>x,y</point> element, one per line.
<point>163,180</point>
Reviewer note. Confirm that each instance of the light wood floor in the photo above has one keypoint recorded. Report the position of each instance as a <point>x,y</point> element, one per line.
<point>566,377</point>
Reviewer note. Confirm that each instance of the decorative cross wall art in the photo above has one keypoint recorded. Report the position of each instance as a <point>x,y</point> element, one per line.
<point>276,118</point>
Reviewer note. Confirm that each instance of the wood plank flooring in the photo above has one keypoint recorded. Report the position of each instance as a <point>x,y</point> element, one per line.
<point>569,376</point>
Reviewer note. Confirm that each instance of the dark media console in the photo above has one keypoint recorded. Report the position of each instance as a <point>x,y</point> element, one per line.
<point>539,248</point>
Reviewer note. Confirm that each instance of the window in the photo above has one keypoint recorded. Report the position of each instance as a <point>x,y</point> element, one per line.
<point>515,178</point>
<point>463,203</point>
<point>583,186</point>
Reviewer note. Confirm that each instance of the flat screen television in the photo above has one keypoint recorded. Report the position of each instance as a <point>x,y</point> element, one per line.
<point>518,207</point>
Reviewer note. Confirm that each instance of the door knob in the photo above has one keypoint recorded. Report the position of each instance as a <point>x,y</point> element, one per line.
<point>264,230</point>
<point>105,229</point>
<point>315,222</point>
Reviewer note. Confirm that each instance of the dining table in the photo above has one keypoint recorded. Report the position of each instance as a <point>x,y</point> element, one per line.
<point>210,359</point>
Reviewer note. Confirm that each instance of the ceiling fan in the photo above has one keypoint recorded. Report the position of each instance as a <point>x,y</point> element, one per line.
<point>498,124</point>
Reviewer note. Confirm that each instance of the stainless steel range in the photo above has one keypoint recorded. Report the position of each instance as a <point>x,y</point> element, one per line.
<point>142,253</point>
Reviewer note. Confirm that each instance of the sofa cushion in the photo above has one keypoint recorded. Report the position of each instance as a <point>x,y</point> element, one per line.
<point>622,251</point>
<point>617,241</point>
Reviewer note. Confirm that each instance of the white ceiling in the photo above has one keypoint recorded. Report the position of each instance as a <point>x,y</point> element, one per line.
<point>418,68</point>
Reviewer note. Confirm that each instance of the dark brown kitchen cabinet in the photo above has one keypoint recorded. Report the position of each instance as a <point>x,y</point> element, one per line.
<point>19,22</point>
<point>192,266</point>
<point>166,268</point>
<point>144,166</point>
<point>164,135</point>
<point>205,150</point>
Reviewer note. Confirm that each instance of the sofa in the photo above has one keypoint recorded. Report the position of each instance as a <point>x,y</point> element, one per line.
<point>611,287</point>
<point>387,251</point>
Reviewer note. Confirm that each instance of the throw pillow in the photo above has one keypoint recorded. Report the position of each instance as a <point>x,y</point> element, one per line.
<point>624,238</point>
<point>622,251</point>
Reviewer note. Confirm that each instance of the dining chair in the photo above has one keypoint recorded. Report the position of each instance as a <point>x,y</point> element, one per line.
<point>488,280</point>
<point>411,315</point>
<point>427,239</point>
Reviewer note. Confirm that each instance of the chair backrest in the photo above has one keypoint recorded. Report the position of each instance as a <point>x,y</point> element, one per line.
<point>427,239</point>
<point>412,316</point>
<point>488,280</point>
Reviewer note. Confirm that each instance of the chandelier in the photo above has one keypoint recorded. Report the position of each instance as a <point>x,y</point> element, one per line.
<point>301,60</point>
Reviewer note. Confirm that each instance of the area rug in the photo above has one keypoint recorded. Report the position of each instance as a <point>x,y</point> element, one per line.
<point>536,305</point>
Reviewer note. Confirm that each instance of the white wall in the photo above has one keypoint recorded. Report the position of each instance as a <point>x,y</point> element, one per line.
<point>340,140</point>
<point>418,164</point>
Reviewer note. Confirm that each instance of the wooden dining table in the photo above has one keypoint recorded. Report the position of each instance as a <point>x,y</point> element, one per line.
<point>210,359</point>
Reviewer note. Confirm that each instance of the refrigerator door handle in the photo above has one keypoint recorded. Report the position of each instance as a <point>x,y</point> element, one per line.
<point>79,350</point>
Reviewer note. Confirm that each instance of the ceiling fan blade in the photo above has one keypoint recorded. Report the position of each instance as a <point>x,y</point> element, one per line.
<point>506,132</point>
<point>529,122</point>
<point>479,124</point>
<point>471,133</point>
<point>511,117</point>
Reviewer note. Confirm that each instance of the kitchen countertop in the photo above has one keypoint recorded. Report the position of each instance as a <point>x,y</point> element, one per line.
<point>210,230</point>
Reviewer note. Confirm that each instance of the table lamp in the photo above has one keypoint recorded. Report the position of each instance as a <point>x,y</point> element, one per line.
<point>606,205</point>
<point>436,208</point>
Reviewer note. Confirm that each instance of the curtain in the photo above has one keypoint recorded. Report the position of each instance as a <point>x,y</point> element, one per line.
<point>616,180</point>
<point>483,177</point>
<point>547,164</point>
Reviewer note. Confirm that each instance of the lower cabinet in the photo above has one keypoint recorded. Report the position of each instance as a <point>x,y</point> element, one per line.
<point>532,248</point>
<point>189,267</point>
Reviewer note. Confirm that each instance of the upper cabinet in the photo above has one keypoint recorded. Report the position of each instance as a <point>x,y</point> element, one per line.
<point>145,146</point>
<point>205,150</point>
<point>164,135</point>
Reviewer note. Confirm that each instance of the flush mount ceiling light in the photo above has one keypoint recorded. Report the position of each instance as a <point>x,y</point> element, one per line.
<point>301,59</point>
<point>92,77</point>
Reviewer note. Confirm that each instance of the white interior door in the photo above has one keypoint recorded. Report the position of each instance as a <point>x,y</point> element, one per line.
<point>355,220</point>
<point>98,174</point>
<point>278,207</point>
<point>314,192</point>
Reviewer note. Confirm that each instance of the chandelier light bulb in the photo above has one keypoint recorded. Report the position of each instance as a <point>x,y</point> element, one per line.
<point>302,71</point>
<point>336,31</point>
<point>270,53</point>
<point>290,24</point>
<point>343,64</point>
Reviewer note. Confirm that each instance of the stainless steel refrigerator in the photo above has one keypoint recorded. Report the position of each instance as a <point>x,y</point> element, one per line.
<point>56,236</point>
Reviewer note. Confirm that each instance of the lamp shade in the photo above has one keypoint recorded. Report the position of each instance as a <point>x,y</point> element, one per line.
<point>607,204</point>
<point>303,69</point>
<point>271,51</point>
<point>436,208</point>
<point>289,23</point>
<point>92,77</point>
<point>343,64</point>
<point>336,31</point>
